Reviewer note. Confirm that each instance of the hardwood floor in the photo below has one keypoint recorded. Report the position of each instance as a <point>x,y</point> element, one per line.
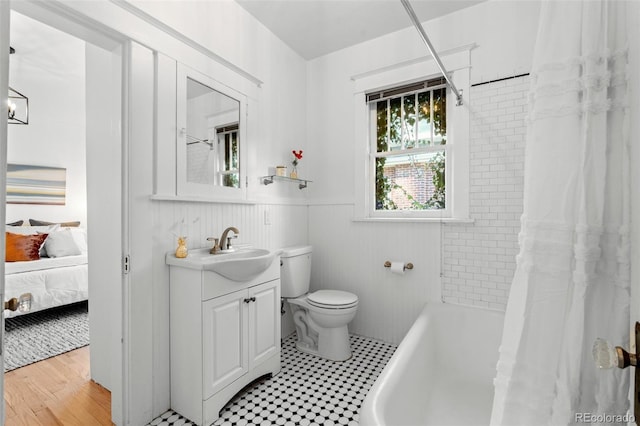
<point>56,391</point>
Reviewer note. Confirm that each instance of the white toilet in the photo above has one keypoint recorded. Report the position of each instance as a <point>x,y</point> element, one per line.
<point>321,317</point>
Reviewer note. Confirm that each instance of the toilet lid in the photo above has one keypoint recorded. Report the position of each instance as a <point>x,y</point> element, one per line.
<point>332,298</point>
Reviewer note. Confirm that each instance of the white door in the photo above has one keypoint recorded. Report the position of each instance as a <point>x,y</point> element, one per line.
<point>264,321</point>
<point>224,341</point>
<point>4,89</point>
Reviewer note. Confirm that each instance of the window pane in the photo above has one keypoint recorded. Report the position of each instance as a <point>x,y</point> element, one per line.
<point>231,180</point>
<point>381,126</point>
<point>234,150</point>
<point>411,182</point>
<point>383,187</point>
<point>424,119</point>
<point>230,151</point>
<point>395,128</point>
<point>409,124</point>
<point>227,152</point>
<point>440,116</point>
<point>230,159</point>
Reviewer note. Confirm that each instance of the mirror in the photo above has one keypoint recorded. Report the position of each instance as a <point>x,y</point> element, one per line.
<point>212,136</point>
<point>211,144</point>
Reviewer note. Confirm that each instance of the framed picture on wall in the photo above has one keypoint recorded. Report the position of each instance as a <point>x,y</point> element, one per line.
<point>28,184</point>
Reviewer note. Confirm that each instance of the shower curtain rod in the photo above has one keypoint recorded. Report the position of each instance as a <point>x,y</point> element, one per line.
<point>425,39</point>
<point>197,140</point>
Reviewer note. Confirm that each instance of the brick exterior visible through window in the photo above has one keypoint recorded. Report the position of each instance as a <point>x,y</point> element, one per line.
<point>416,180</point>
<point>409,142</point>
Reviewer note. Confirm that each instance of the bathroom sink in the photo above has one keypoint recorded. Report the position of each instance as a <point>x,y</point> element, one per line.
<point>240,265</point>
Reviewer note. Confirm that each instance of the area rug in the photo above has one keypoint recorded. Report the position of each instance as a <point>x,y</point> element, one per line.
<point>33,337</point>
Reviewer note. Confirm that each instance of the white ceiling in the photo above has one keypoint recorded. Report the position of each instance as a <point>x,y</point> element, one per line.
<point>316,27</point>
<point>43,50</point>
<point>310,27</point>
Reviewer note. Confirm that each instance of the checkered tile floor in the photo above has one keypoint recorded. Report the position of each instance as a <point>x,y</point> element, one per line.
<point>308,391</point>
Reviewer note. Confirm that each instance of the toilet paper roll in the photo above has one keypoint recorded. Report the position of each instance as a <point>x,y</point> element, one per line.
<point>397,268</point>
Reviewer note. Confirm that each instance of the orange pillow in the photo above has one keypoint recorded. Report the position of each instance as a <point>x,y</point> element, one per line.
<point>23,247</point>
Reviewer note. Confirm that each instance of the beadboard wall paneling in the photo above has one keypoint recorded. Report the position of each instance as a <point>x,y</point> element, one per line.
<point>350,256</point>
<point>201,220</point>
<point>198,221</point>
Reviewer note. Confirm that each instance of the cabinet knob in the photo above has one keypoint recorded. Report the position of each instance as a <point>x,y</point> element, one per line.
<point>250,299</point>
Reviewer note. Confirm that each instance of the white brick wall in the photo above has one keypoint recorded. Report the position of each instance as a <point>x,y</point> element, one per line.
<point>479,258</point>
<point>198,163</point>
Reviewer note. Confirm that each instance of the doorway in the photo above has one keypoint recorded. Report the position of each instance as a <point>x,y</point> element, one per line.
<point>91,75</point>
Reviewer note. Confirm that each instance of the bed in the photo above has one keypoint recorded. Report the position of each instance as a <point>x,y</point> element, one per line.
<point>57,276</point>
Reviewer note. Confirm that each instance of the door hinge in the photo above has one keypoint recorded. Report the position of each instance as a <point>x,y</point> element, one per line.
<point>126,264</point>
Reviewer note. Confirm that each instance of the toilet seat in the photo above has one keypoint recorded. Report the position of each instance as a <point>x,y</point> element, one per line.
<point>332,299</point>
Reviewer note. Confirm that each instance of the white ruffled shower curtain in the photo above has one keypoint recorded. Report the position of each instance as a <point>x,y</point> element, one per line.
<point>572,278</point>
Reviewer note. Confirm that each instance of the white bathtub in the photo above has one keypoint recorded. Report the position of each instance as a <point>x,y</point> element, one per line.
<point>442,372</point>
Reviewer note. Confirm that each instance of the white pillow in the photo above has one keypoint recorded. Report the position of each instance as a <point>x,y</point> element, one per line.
<point>80,237</point>
<point>60,244</point>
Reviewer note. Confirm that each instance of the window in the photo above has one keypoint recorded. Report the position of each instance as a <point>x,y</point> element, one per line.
<point>228,155</point>
<point>408,151</point>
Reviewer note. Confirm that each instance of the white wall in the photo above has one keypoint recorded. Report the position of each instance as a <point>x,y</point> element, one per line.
<point>48,68</point>
<point>480,257</point>
<point>299,106</point>
<point>504,33</point>
<point>230,32</point>
<point>104,206</point>
<point>350,256</point>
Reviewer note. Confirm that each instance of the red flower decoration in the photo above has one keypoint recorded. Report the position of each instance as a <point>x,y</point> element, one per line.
<point>297,155</point>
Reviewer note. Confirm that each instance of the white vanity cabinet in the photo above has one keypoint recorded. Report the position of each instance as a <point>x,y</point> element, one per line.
<point>224,335</point>
<point>238,333</point>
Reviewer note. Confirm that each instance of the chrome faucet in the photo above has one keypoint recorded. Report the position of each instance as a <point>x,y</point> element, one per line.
<point>225,242</point>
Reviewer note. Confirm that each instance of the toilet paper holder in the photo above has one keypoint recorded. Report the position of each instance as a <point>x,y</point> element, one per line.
<point>409,265</point>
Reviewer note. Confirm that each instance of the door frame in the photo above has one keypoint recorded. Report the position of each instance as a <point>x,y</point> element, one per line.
<point>4,88</point>
<point>59,16</point>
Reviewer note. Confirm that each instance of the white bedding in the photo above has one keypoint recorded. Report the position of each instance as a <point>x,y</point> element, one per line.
<point>51,281</point>
<point>44,263</point>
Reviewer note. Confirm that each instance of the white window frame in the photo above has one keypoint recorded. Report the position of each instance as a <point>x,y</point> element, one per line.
<point>374,154</point>
<point>219,137</point>
<point>457,62</point>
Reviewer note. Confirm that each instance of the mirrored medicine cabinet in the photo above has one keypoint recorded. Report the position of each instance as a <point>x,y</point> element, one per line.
<point>211,143</point>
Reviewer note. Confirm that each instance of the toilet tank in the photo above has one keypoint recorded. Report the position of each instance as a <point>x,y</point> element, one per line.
<point>295,272</point>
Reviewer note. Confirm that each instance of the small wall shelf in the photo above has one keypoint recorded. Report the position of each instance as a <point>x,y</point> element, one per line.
<point>302,183</point>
